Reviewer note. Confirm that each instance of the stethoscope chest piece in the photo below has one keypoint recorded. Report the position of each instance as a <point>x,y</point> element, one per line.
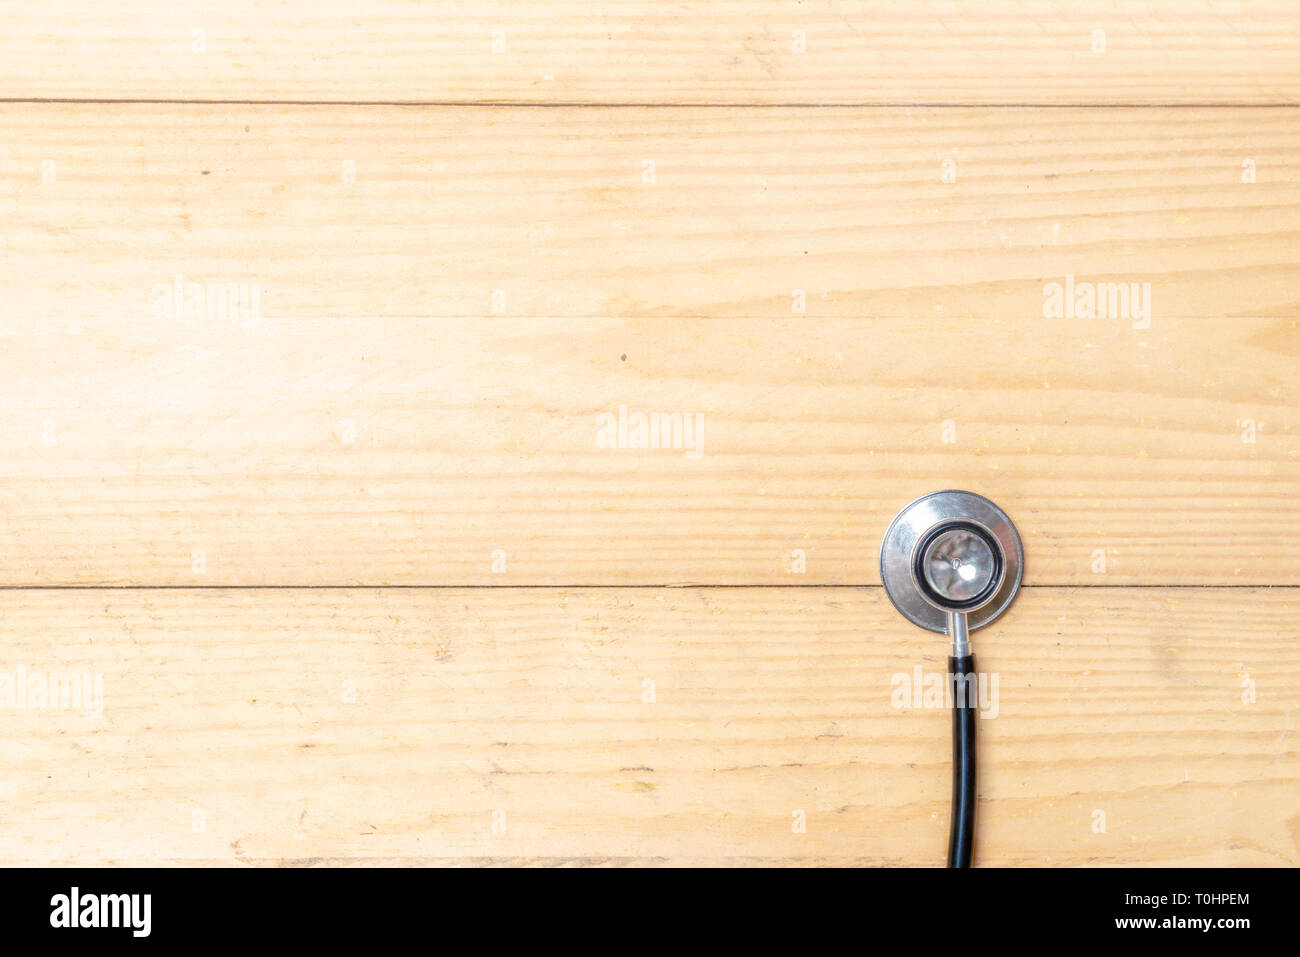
<point>948,552</point>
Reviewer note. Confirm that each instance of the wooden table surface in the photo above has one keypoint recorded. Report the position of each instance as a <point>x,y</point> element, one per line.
<point>326,335</point>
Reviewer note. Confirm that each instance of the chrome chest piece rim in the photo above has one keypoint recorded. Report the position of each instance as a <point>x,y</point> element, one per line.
<point>951,551</point>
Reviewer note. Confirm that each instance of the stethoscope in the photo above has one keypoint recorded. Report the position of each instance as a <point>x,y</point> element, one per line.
<point>951,562</point>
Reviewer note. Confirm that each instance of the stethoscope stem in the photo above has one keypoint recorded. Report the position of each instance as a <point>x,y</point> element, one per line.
<point>960,634</point>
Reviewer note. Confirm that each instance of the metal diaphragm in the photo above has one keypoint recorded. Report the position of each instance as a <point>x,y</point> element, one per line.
<point>951,551</point>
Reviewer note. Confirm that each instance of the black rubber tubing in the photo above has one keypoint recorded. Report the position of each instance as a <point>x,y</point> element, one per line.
<point>961,832</point>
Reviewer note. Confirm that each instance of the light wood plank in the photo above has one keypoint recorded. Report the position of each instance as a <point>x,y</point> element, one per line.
<point>410,452</point>
<point>530,702</point>
<point>549,207</point>
<point>741,51</point>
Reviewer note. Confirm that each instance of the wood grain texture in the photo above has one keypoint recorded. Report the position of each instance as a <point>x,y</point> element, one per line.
<point>550,208</point>
<point>530,702</point>
<point>741,51</point>
<point>409,452</point>
<point>837,258</point>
